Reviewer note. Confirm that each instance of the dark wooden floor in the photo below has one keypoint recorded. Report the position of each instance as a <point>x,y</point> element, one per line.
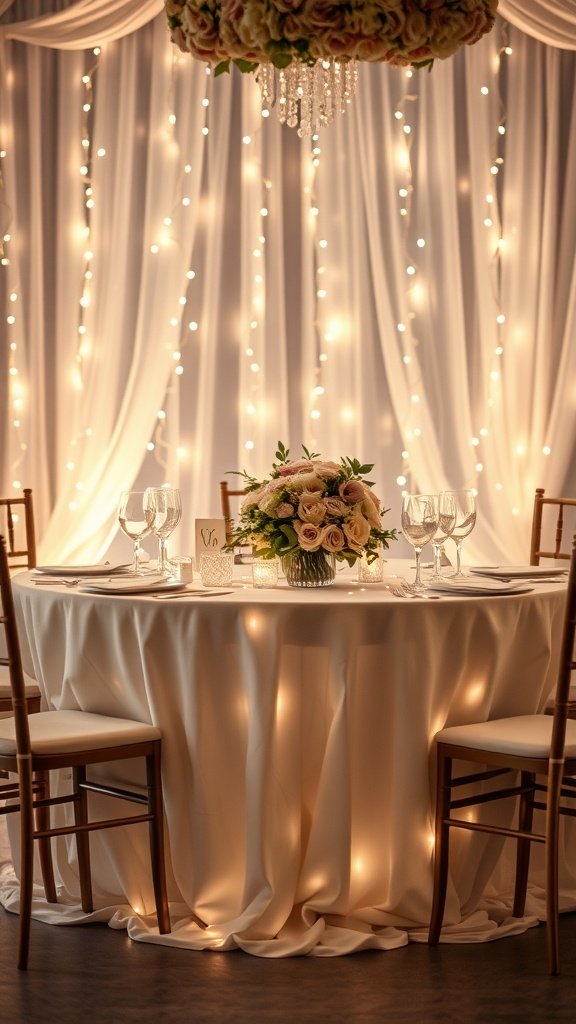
<point>93,974</point>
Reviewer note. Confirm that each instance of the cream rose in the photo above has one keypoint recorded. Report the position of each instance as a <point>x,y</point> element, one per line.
<point>357,530</point>
<point>309,536</point>
<point>311,511</point>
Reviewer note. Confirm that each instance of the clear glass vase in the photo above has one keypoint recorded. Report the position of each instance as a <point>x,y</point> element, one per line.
<point>309,568</point>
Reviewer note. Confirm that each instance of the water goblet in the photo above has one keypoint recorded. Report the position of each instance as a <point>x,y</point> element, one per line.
<point>167,512</point>
<point>446,524</point>
<point>135,515</point>
<point>465,522</point>
<point>419,524</point>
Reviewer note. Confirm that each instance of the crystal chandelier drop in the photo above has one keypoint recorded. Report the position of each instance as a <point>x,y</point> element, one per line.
<point>308,97</point>
<point>304,53</point>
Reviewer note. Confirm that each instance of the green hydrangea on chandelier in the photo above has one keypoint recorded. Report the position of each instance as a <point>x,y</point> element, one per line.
<point>311,505</point>
<point>249,33</point>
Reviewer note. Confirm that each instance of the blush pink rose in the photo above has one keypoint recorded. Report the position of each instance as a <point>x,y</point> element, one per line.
<point>335,506</point>
<point>299,466</point>
<point>333,538</point>
<point>352,491</point>
<point>285,510</point>
<point>309,536</point>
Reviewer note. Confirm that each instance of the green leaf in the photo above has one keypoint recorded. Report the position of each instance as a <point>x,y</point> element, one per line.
<point>281,60</point>
<point>222,68</point>
<point>245,66</point>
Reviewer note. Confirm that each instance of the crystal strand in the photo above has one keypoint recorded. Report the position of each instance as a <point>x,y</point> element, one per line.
<point>338,97</point>
<point>282,102</point>
<point>306,89</point>
<point>292,87</point>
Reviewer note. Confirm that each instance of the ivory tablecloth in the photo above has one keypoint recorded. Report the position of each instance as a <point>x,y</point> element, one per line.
<point>298,729</point>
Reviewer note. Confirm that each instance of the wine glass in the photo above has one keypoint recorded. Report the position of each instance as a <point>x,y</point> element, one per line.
<point>167,512</point>
<point>135,515</point>
<point>446,524</point>
<point>419,524</point>
<point>465,523</point>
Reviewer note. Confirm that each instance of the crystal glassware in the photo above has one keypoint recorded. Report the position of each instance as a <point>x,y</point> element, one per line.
<point>446,524</point>
<point>135,515</point>
<point>167,510</point>
<point>419,524</point>
<point>465,502</point>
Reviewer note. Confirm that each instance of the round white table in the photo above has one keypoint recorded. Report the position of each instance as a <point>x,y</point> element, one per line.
<point>298,727</point>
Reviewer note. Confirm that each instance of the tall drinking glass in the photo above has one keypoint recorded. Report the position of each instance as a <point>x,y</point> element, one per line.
<point>135,515</point>
<point>446,524</point>
<point>419,524</point>
<point>167,512</point>
<point>465,523</point>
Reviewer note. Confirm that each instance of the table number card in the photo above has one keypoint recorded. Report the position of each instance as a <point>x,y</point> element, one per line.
<point>210,536</point>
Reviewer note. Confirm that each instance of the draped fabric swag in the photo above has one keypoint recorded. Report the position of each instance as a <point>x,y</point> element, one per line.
<point>461,374</point>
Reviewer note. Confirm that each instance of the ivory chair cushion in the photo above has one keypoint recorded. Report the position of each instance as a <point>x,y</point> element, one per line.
<point>525,735</point>
<point>54,731</point>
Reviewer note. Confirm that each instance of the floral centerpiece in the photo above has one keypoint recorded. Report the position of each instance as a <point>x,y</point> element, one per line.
<point>311,513</point>
<point>253,32</point>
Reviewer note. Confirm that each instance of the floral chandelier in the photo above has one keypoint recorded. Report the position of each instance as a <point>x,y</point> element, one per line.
<point>305,53</point>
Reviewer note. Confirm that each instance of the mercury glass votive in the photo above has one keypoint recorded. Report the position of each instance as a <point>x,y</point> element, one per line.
<point>265,572</point>
<point>181,567</point>
<point>216,568</point>
<point>371,572</point>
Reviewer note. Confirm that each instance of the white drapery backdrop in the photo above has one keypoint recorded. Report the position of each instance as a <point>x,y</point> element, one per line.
<point>275,277</point>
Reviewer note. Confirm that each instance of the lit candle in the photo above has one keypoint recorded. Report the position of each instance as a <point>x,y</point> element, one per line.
<point>265,572</point>
<point>371,572</point>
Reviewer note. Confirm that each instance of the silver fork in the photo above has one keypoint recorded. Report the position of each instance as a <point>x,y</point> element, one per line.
<point>57,583</point>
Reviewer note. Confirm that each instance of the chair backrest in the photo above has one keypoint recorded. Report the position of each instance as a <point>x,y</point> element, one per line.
<point>549,517</point>
<point>567,667</point>
<point>17,520</point>
<point>13,658</point>
<point>226,492</point>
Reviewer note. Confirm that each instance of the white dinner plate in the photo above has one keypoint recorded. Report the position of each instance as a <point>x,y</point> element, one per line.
<point>81,570</point>
<point>133,585</point>
<point>519,572</point>
<point>477,587</point>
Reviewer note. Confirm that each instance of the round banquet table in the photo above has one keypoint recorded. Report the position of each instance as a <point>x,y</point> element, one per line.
<point>298,727</point>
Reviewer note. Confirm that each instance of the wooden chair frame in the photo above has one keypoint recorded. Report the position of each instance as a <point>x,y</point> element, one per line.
<point>545,783</point>
<point>31,790</point>
<point>29,552</point>
<point>536,551</point>
<point>226,492</point>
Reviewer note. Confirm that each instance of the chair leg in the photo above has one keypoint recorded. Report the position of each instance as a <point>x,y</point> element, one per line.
<point>26,861</point>
<point>552,831</point>
<point>44,847</point>
<point>82,839</point>
<point>442,844</point>
<point>523,846</point>
<point>156,830</point>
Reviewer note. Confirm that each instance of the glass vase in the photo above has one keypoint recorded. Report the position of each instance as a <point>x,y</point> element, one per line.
<point>309,568</point>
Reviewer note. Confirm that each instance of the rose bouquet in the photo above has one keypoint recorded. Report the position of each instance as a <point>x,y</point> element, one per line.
<point>310,506</point>
<point>251,32</point>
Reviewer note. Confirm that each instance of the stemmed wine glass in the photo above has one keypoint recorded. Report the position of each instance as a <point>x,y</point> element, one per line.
<point>419,524</point>
<point>465,523</point>
<point>167,511</point>
<point>135,515</point>
<point>446,524</point>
